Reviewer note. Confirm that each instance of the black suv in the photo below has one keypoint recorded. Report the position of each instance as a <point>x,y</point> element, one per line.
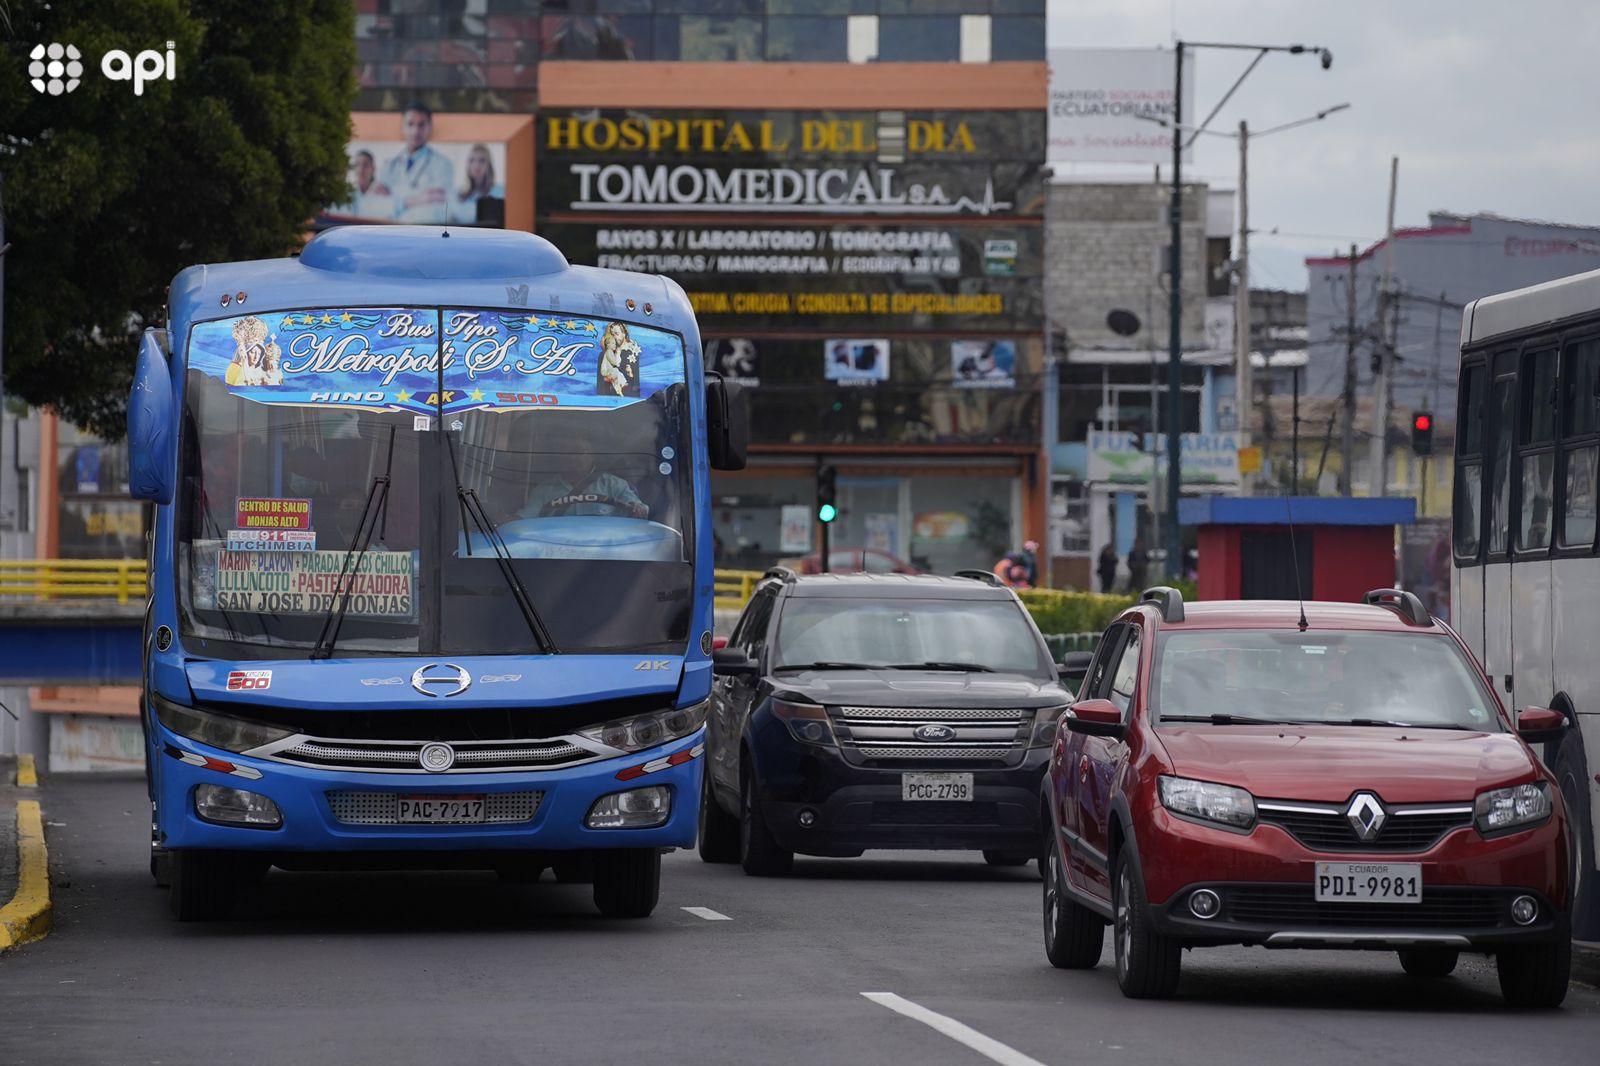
<point>855,711</point>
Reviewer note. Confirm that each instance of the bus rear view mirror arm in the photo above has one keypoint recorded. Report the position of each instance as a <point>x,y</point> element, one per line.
<point>151,422</point>
<point>1539,724</point>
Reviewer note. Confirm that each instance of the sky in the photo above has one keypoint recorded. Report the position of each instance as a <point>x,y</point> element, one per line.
<point>1491,106</point>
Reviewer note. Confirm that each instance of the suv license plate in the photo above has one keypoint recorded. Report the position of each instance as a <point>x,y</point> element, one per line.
<point>440,810</point>
<point>1368,882</point>
<point>936,787</point>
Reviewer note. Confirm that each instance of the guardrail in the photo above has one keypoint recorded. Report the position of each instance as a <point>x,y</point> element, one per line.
<point>123,580</point>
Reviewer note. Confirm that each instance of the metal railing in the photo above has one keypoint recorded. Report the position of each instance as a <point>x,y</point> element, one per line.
<point>123,580</point>
<point>732,588</point>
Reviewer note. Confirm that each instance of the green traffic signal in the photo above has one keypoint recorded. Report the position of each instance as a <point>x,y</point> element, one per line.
<point>827,513</point>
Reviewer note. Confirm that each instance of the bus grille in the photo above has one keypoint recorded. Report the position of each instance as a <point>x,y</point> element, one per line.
<point>399,757</point>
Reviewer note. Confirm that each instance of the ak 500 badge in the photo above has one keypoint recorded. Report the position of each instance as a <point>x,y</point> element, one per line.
<point>249,680</point>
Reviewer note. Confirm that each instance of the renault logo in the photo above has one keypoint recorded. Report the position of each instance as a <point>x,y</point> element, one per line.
<point>934,732</point>
<point>1366,816</point>
<point>441,679</point>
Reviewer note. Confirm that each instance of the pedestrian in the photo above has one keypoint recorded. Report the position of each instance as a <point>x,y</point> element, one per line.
<point>1106,567</point>
<point>1030,559</point>
<point>1138,562</point>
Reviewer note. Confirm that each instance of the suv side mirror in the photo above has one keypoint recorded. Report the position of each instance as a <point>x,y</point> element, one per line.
<point>150,423</point>
<point>1539,724</point>
<point>1075,667</point>
<point>1096,718</point>
<point>732,662</point>
<point>727,423</point>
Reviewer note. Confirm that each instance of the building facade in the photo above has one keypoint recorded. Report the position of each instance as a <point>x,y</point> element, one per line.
<point>850,191</point>
<point>1438,269</point>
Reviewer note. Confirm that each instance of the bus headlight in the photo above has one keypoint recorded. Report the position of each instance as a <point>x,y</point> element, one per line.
<point>1504,809</point>
<point>648,730</point>
<point>218,730</point>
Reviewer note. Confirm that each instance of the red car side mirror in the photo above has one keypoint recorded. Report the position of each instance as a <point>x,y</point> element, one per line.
<point>1096,718</point>
<point>718,642</point>
<point>1539,724</point>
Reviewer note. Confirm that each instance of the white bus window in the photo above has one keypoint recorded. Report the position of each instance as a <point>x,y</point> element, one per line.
<point>1538,457</point>
<point>1580,454</point>
<point>1469,494</point>
<point>1504,406</point>
<point>1577,529</point>
<point>1538,484</point>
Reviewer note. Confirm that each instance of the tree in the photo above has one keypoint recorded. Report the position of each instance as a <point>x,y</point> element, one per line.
<point>109,194</point>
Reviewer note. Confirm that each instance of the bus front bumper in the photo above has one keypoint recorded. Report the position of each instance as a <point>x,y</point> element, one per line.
<point>326,810</point>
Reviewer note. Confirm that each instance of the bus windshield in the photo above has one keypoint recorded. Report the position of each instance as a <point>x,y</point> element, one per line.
<point>407,446</point>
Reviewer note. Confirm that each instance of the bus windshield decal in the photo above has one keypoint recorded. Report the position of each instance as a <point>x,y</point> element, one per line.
<point>389,359</point>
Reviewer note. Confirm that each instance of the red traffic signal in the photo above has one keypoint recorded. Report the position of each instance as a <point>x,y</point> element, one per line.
<point>1422,432</point>
<point>1422,422</point>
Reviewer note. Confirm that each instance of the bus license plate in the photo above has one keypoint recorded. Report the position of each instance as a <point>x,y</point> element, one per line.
<point>440,810</point>
<point>1369,882</point>
<point>936,787</point>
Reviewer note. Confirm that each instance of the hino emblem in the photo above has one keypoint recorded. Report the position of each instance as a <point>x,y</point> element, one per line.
<point>1366,816</point>
<point>436,758</point>
<point>441,679</point>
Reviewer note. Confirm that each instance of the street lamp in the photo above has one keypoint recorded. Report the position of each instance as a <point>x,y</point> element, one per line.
<point>1244,395</point>
<point>1175,308</point>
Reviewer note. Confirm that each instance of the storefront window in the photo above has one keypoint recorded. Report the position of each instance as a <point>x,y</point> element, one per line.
<point>962,521</point>
<point>97,519</point>
<point>756,522</point>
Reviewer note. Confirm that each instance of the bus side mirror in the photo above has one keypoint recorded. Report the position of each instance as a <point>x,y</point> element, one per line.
<point>727,423</point>
<point>150,424</point>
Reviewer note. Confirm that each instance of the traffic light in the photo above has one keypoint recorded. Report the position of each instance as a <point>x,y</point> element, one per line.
<point>1422,432</point>
<point>827,507</point>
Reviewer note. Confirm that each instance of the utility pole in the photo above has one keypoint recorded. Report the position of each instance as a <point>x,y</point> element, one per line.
<point>1245,397</point>
<point>1175,330</point>
<point>1384,352</point>
<point>1347,429</point>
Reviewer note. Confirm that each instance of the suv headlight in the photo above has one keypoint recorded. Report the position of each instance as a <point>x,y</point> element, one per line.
<point>1503,809</point>
<point>807,722</point>
<point>1208,802</point>
<point>218,730</point>
<point>1046,720</point>
<point>648,730</point>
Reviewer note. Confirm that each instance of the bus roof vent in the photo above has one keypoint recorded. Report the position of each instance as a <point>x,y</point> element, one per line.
<point>436,253</point>
<point>1405,604</point>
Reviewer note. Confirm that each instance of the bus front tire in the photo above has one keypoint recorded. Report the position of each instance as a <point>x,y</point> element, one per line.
<point>206,884</point>
<point>1572,775</point>
<point>627,882</point>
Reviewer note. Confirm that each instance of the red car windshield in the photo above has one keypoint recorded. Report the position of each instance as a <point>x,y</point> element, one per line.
<point>1312,678</point>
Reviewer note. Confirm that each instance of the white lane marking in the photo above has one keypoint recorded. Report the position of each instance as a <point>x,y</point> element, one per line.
<point>708,914</point>
<point>962,1034</point>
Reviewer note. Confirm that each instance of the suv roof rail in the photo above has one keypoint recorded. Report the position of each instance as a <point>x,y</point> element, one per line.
<point>1403,603</point>
<point>782,573</point>
<point>1167,598</point>
<point>988,577</point>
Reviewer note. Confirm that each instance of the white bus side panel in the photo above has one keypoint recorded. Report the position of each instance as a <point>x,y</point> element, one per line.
<point>1497,628</point>
<point>1466,607</point>
<point>1531,646</point>
<point>1576,644</point>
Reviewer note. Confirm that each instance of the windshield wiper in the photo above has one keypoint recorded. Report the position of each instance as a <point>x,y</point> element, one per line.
<point>938,664</point>
<point>1226,719</point>
<point>377,493</point>
<point>827,664</point>
<point>472,506</point>
<point>1392,724</point>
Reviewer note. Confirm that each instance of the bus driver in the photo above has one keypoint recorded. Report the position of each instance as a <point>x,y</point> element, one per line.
<point>579,487</point>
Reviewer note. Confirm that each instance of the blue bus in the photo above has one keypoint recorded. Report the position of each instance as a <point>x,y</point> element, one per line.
<point>431,570</point>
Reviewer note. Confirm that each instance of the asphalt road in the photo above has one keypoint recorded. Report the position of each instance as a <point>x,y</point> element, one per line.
<point>436,968</point>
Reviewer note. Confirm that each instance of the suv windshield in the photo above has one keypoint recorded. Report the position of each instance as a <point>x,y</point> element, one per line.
<point>1327,678</point>
<point>927,633</point>
<point>570,435</point>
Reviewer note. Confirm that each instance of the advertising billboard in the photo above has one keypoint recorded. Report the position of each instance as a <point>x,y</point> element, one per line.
<point>1107,105</point>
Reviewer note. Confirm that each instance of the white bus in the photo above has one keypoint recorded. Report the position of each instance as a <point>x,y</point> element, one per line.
<point>1526,581</point>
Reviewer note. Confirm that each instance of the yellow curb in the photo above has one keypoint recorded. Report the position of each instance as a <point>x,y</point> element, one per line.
<point>28,915</point>
<point>27,773</point>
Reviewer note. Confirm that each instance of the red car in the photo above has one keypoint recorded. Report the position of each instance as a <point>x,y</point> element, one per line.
<point>1345,777</point>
